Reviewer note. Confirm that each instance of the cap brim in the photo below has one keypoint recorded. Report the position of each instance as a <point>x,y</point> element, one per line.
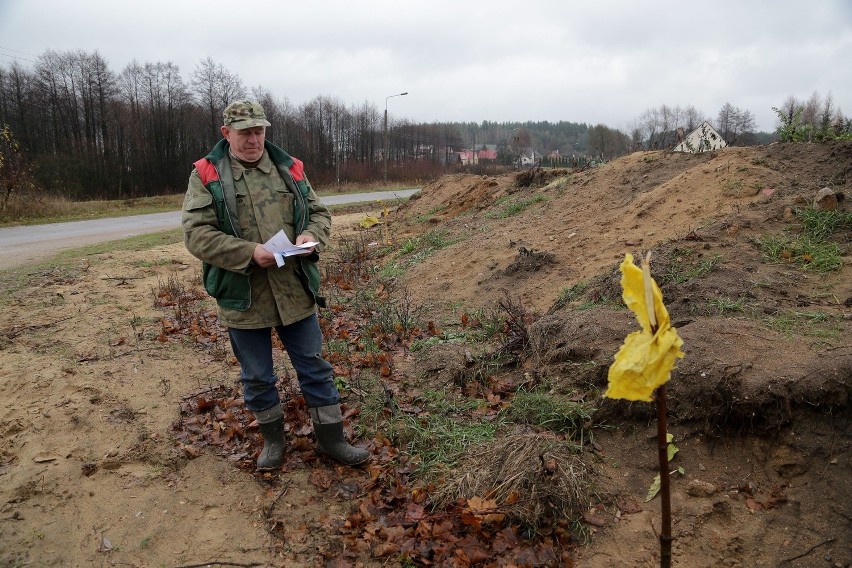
<point>251,123</point>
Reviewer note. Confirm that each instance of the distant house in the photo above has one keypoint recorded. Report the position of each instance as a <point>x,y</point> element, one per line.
<point>466,157</point>
<point>554,158</point>
<point>702,139</point>
<point>487,154</point>
<point>527,157</point>
<point>482,154</point>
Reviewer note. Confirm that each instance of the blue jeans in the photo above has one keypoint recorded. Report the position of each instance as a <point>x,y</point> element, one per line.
<point>303,342</point>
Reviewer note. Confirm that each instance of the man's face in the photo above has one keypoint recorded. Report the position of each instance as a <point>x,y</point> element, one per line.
<point>246,143</point>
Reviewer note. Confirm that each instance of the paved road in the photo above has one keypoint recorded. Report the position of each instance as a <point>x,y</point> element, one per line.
<point>25,244</point>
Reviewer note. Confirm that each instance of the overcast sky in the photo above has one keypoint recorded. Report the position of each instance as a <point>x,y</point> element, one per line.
<point>595,61</point>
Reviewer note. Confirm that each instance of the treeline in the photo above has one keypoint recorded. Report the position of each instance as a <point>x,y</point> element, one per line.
<point>91,133</point>
<point>83,131</point>
<point>95,133</point>
<point>814,120</point>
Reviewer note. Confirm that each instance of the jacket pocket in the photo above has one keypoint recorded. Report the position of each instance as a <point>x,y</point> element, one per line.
<point>281,213</point>
<point>244,214</point>
<point>231,289</point>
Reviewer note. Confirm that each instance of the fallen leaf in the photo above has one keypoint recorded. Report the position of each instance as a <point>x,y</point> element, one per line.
<point>191,451</point>
<point>385,549</point>
<point>320,478</point>
<point>629,506</point>
<point>414,512</point>
<point>595,519</point>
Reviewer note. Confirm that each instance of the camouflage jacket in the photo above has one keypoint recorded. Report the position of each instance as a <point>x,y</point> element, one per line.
<point>228,209</point>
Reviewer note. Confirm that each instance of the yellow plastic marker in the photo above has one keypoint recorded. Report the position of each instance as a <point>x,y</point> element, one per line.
<point>646,359</point>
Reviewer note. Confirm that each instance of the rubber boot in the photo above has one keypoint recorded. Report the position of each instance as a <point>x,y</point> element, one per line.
<point>271,424</point>
<point>328,428</point>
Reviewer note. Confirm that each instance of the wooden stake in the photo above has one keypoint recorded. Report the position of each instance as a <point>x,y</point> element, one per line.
<point>665,492</point>
<point>662,434</point>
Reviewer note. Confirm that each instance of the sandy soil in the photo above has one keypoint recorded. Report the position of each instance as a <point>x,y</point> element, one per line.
<point>92,385</point>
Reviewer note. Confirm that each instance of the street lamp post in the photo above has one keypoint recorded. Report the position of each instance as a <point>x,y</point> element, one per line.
<point>385,152</point>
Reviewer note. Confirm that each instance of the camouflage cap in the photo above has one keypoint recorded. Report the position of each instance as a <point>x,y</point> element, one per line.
<point>245,114</point>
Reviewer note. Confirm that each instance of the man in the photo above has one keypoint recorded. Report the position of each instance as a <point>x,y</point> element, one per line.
<point>241,194</point>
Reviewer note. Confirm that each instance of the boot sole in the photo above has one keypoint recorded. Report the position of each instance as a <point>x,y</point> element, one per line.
<point>351,464</point>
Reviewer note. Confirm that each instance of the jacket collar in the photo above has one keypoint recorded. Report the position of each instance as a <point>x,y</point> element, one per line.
<point>265,165</point>
<point>276,154</point>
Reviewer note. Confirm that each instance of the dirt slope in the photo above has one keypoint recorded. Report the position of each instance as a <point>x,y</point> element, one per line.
<point>91,386</point>
<point>760,403</point>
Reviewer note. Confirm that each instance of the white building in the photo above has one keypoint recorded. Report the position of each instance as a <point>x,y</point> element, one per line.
<point>702,139</point>
<point>527,157</point>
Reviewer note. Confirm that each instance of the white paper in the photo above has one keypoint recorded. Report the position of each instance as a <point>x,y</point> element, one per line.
<point>280,246</point>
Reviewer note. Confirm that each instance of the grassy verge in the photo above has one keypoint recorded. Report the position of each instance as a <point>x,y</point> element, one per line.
<point>41,209</point>
<point>69,260</point>
<point>35,210</point>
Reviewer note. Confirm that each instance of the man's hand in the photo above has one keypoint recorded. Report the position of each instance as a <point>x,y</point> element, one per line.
<point>305,238</point>
<point>263,257</point>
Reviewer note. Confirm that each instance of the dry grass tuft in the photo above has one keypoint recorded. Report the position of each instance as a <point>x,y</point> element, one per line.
<point>536,479</point>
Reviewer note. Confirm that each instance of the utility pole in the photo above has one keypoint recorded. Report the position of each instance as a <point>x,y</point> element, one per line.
<point>385,149</point>
<point>337,149</point>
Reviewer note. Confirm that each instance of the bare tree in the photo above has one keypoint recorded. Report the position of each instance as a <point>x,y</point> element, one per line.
<point>606,143</point>
<point>692,118</point>
<point>734,122</point>
<point>651,125</point>
<point>14,171</point>
<point>812,111</point>
<point>215,87</point>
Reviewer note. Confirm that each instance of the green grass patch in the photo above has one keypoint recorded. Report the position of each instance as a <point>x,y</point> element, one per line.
<point>416,249</point>
<point>437,436</point>
<point>510,207</point>
<point>467,325</point>
<point>808,323</point>
<point>684,265</point>
<point>732,186</point>
<point>438,441</point>
<point>802,250</point>
<point>812,248</point>
<point>570,294</point>
<point>820,225</point>
<point>724,305</point>
<point>550,411</point>
<point>430,214</point>
<point>391,269</point>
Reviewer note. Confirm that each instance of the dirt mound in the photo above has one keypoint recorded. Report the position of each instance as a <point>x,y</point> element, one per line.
<point>470,193</point>
<point>766,342</point>
<point>588,220</point>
